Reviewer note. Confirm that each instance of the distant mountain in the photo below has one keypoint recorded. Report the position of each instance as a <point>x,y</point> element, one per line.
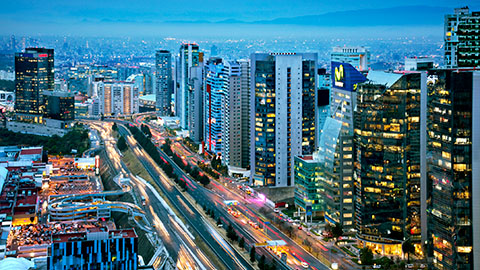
<point>192,21</point>
<point>402,16</point>
<point>397,16</point>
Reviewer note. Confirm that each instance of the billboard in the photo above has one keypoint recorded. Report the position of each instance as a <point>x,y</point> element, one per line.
<point>345,76</point>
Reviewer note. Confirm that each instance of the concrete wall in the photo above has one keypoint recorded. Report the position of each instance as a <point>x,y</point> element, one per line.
<point>36,129</point>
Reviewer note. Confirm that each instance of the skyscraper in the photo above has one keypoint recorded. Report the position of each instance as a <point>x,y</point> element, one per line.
<point>453,169</point>
<point>190,56</point>
<point>216,83</point>
<point>336,147</point>
<point>164,82</point>
<point>227,112</point>
<point>34,73</point>
<point>387,163</point>
<point>235,130</point>
<point>461,38</point>
<point>358,57</point>
<point>282,120</point>
<point>196,104</point>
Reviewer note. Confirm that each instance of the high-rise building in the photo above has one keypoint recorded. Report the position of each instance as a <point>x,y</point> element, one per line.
<point>461,38</point>
<point>358,57</point>
<point>117,98</point>
<point>387,163</point>
<point>196,104</point>
<point>216,83</point>
<point>59,105</point>
<point>236,117</point>
<point>227,112</point>
<point>164,82</point>
<point>336,147</point>
<point>190,56</point>
<point>283,103</point>
<point>453,168</point>
<point>114,249</point>
<point>34,73</point>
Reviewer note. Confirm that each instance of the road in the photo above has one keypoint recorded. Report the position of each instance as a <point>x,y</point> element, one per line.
<point>226,254</point>
<point>250,207</point>
<point>214,200</point>
<point>167,227</point>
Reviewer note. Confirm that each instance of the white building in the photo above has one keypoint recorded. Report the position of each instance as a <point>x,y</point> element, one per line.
<point>117,98</point>
<point>358,57</point>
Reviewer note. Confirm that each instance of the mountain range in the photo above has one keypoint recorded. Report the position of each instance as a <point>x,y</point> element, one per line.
<point>397,16</point>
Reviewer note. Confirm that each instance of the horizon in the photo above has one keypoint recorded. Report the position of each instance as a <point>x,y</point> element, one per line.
<point>119,18</point>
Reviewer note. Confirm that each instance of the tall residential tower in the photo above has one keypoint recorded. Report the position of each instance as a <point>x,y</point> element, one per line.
<point>190,56</point>
<point>283,115</point>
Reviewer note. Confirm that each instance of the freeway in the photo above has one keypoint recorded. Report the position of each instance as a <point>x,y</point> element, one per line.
<point>249,209</point>
<point>230,258</point>
<point>164,221</point>
<point>213,200</point>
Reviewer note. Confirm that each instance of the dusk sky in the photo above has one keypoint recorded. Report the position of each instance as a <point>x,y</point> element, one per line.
<point>28,16</point>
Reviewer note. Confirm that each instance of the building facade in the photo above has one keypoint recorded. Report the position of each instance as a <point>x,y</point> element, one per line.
<point>236,114</point>
<point>196,105</point>
<point>453,169</point>
<point>227,112</point>
<point>358,57</point>
<point>190,56</point>
<point>283,115</point>
<point>336,147</point>
<point>164,82</point>
<point>308,186</point>
<point>461,38</point>
<point>114,249</point>
<point>216,84</point>
<point>59,105</point>
<point>387,164</point>
<point>118,98</point>
<point>34,73</point>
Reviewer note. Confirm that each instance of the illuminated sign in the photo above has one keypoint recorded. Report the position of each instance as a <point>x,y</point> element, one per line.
<point>346,77</point>
<point>339,76</point>
<point>43,55</point>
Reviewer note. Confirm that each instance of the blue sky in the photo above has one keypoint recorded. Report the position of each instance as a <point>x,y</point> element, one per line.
<point>21,15</point>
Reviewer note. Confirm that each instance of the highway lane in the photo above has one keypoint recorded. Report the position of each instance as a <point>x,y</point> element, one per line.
<point>251,210</point>
<point>171,235</point>
<point>195,221</point>
<point>203,196</point>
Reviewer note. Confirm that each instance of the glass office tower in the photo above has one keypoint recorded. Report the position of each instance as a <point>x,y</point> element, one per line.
<point>453,163</point>
<point>387,165</point>
<point>164,82</point>
<point>34,73</point>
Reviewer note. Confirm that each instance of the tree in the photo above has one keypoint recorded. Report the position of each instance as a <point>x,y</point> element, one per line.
<point>337,230</point>
<point>366,256</point>
<point>122,144</point>
<point>252,254</point>
<point>114,126</point>
<point>241,243</point>
<point>261,263</point>
<point>408,248</point>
